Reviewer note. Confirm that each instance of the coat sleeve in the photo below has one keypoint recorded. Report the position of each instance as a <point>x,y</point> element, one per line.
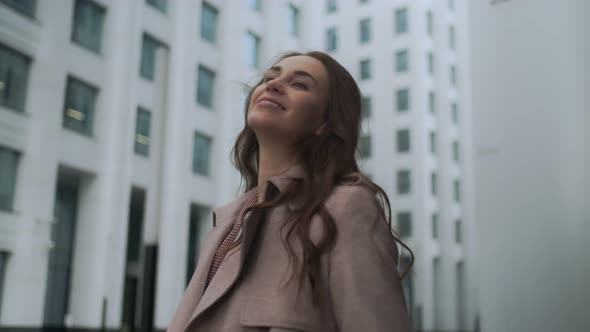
<point>365,286</point>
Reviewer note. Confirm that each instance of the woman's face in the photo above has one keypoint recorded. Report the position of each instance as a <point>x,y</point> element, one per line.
<point>290,102</point>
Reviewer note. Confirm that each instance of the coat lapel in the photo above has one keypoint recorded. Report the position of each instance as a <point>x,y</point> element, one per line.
<point>229,270</point>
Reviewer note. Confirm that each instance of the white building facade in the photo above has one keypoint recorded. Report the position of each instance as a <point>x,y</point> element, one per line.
<point>116,123</point>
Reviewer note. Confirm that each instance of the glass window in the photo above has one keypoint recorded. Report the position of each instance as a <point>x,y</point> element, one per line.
<point>453,75</point>
<point>431,101</point>
<point>3,262</point>
<point>88,23</point>
<point>365,69</point>
<point>198,227</point>
<point>401,61</point>
<point>364,30</point>
<point>8,164</point>
<point>403,140</point>
<point>293,20</point>
<point>79,106</point>
<point>14,75</point>
<point>404,182</point>
<point>331,39</point>
<point>402,100</point>
<point>366,107</point>
<point>149,50</point>
<point>430,63</point>
<point>434,226</point>
<point>331,6</point>
<point>455,113</point>
<point>365,146</point>
<point>159,4</point>
<point>252,50</point>
<point>452,37</point>
<point>201,154</point>
<point>142,131</point>
<point>254,5</point>
<point>26,7</point>
<point>456,151</point>
<point>458,231</point>
<point>457,187</point>
<point>401,20</point>
<point>433,183</point>
<point>433,142</point>
<point>209,22</point>
<point>404,221</point>
<point>429,22</point>
<point>205,86</point>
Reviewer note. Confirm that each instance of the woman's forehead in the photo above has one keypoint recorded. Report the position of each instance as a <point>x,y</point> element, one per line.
<point>303,63</point>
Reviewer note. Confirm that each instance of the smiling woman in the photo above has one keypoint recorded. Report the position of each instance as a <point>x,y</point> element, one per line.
<point>308,246</point>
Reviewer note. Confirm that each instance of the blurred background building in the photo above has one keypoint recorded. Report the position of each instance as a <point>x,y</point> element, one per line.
<point>117,119</point>
<point>531,102</point>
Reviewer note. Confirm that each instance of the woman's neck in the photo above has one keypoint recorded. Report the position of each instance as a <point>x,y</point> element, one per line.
<point>271,161</point>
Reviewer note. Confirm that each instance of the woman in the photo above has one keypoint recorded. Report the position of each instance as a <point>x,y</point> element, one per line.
<point>307,247</point>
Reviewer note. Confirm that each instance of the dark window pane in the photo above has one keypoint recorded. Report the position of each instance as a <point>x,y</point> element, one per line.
<point>434,226</point>
<point>209,22</point>
<point>205,86</point>
<point>252,50</point>
<point>429,23</point>
<point>331,6</point>
<point>148,56</point>
<point>331,39</point>
<point>404,220</point>
<point>158,4</point>
<point>142,132</point>
<point>403,100</point>
<point>433,142</point>
<point>88,23</point>
<point>365,69</point>
<point>8,164</point>
<point>365,30</point>
<point>403,140</point>
<point>26,7</point>
<point>293,20</point>
<point>201,154</point>
<point>14,76</point>
<point>401,20</point>
<point>433,183</point>
<point>401,61</point>
<point>365,146</point>
<point>403,182</point>
<point>431,102</point>
<point>366,107</point>
<point>79,106</point>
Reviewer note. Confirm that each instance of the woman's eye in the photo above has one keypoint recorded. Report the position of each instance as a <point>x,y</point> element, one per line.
<point>268,78</point>
<point>300,85</point>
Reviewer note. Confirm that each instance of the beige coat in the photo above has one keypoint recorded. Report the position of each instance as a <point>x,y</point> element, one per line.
<point>359,282</point>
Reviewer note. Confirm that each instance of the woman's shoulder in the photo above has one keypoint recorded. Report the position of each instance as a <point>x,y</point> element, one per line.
<point>353,197</point>
<point>353,187</point>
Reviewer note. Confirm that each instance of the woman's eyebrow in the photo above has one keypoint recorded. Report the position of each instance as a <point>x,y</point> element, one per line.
<point>296,72</point>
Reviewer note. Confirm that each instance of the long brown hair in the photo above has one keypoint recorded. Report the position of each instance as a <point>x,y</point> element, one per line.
<point>326,159</point>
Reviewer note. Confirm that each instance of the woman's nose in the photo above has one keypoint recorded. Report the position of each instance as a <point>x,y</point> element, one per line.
<point>274,85</point>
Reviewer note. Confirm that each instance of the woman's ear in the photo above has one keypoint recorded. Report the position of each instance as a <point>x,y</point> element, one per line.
<point>322,129</point>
